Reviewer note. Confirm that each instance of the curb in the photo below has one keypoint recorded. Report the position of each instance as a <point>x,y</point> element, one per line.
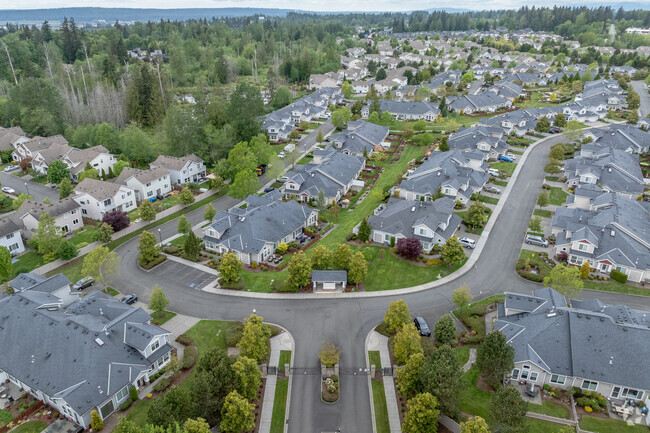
<point>288,403</point>
<point>372,398</point>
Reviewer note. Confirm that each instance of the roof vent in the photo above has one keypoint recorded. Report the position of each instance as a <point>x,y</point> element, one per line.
<point>413,209</point>
<point>612,233</point>
<point>99,341</point>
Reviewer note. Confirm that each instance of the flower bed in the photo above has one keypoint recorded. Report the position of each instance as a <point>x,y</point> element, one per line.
<point>330,389</point>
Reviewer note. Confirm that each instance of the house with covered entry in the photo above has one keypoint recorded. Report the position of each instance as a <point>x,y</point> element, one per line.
<point>97,157</point>
<point>407,110</point>
<point>26,149</point>
<point>487,102</point>
<point>66,213</point>
<point>431,222</point>
<point>360,138</point>
<point>254,233</point>
<point>182,170</point>
<point>147,184</point>
<point>586,345</point>
<point>97,197</point>
<point>627,138</point>
<point>489,140</point>
<point>611,234</point>
<point>11,237</point>
<point>80,356</point>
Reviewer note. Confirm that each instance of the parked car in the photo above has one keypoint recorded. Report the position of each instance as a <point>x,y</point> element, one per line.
<point>467,242</point>
<point>554,130</point>
<point>83,283</point>
<point>422,326</point>
<point>493,172</point>
<point>130,299</point>
<point>12,167</point>
<point>505,158</point>
<point>281,154</point>
<point>269,189</point>
<point>511,156</point>
<point>8,190</point>
<point>492,189</point>
<point>536,240</point>
<point>282,179</point>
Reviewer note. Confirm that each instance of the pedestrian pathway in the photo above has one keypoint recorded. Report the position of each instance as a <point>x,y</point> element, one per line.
<point>470,361</point>
<point>379,342</point>
<point>280,342</point>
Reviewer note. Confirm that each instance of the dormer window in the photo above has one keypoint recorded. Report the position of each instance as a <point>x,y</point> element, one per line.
<point>155,345</point>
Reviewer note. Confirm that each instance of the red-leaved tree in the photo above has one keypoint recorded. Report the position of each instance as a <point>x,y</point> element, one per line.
<point>117,219</point>
<point>409,247</point>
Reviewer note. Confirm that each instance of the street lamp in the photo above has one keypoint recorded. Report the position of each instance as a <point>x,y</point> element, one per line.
<point>160,237</point>
<point>27,187</point>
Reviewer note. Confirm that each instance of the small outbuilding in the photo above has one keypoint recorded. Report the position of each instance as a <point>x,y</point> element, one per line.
<point>329,281</point>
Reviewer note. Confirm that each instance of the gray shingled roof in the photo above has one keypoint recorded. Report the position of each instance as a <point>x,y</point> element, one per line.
<point>98,189</point>
<point>173,162</point>
<point>35,209</point>
<point>144,176</point>
<point>329,276</point>
<point>8,226</point>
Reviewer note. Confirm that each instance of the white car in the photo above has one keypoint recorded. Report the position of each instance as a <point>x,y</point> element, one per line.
<point>511,156</point>
<point>467,242</point>
<point>11,168</point>
<point>8,190</point>
<point>281,154</point>
<point>493,172</point>
<point>282,179</point>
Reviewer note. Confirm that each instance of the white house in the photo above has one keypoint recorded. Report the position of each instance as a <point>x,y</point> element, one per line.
<point>98,157</point>
<point>66,214</point>
<point>97,197</point>
<point>10,236</point>
<point>189,168</point>
<point>147,184</point>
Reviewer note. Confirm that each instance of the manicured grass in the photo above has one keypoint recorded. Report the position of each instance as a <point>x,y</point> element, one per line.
<point>71,270</point>
<point>162,317</point>
<point>111,291</point>
<point>279,406</point>
<point>486,199</point>
<point>375,358</point>
<point>557,196</point>
<point>30,427</point>
<point>552,178</point>
<point>285,358</point>
<point>551,408</point>
<point>305,160</point>
<point>381,411</point>
<point>139,412</point>
<point>500,183</point>
<point>5,417</point>
<point>462,353</point>
<point>542,213</point>
<point>601,425</point>
<point>516,152</point>
<point>471,399</point>
<point>85,236</point>
<point>535,259</point>
<point>508,167</point>
<point>179,241</point>
<point>27,262</point>
<point>539,426</point>
<point>209,333</point>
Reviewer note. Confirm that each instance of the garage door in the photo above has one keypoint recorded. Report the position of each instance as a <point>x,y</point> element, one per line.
<point>329,286</point>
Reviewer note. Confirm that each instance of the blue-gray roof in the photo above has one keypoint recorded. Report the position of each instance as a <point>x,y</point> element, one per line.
<point>329,276</point>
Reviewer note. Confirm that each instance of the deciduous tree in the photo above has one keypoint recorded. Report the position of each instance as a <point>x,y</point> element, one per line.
<point>148,247</point>
<point>543,124</point>
<point>560,120</point>
<point>244,184</point>
<point>535,224</point>
<point>452,252</point>
<point>65,188</point>
<point>474,425</point>
<point>20,199</point>
<point>209,212</point>
<point>101,264</point>
<point>67,250</point>
<point>299,270</point>
<point>422,415</point>
<point>397,315</point>
<point>408,378</point>
<point>186,196</point>
<point>57,171</point>
<point>406,343</point>
<point>230,267</point>
<point>476,215</point>
<point>358,268</point>
<point>47,236</point>
<point>147,212</point>
<point>184,226</point>
<point>254,342</point>
<point>409,247</point>
<point>321,258</point>
<point>250,376</point>
<point>117,219</point>
<point>543,199</point>
<point>329,354</point>
<point>565,280</point>
<point>237,414</point>
<point>158,300</point>
<point>462,296</point>
<point>508,411</point>
<point>5,263</point>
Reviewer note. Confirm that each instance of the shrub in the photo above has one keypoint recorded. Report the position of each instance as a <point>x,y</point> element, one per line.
<point>162,384</point>
<point>254,265</point>
<point>173,249</point>
<point>583,401</point>
<point>532,277</point>
<point>618,276</point>
<point>190,354</point>
<point>588,409</point>
<point>546,387</point>
<point>127,404</point>
<point>184,339</point>
<point>432,262</point>
<point>234,334</point>
<point>133,393</point>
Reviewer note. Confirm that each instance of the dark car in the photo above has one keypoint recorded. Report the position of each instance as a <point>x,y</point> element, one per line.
<point>554,130</point>
<point>269,189</point>
<point>422,326</point>
<point>130,299</point>
<point>83,283</point>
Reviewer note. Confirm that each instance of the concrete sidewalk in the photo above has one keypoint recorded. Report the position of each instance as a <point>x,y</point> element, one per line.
<point>178,325</point>
<point>280,342</point>
<point>376,341</point>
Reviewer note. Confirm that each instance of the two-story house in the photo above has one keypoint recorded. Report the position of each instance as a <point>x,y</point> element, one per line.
<point>97,197</point>
<point>189,168</point>
<point>97,157</point>
<point>10,236</point>
<point>26,149</point>
<point>66,213</point>
<point>360,138</point>
<point>254,233</point>
<point>80,357</point>
<point>147,184</point>
<point>431,222</point>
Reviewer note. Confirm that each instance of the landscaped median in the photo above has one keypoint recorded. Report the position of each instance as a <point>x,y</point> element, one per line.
<point>281,393</point>
<point>378,394</point>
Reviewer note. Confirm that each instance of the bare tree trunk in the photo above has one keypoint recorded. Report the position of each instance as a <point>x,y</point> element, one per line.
<point>11,64</point>
<point>83,77</point>
<point>90,68</point>
<point>162,92</point>
<point>46,50</point>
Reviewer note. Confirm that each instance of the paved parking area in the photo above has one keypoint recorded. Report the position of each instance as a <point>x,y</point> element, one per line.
<point>178,274</point>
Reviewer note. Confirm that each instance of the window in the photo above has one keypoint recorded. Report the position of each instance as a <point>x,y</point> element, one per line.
<point>632,393</point>
<point>515,374</point>
<point>84,212</point>
<point>533,376</point>
<point>621,269</point>
<point>616,391</point>
<point>556,378</point>
<point>74,212</point>
<point>525,372</point>
<point>128,193</point>
<point>591,386</point>
<point>107,202</point>
<point>122,393</point>
<point>65,229</point>
<point>10,235</point>
<point>66,215</point>
<point>423,231</point>
<point>148,183</point>
<point>582,247</point>
<point>166,186</point>
<point>75,222</point>
<point>155,345</point>
<point>149,193</point>
<point>13,247</point>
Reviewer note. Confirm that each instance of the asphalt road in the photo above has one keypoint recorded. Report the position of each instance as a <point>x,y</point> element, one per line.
<point>36,190</point>
<point>347,321</point>
<point>644,106</point>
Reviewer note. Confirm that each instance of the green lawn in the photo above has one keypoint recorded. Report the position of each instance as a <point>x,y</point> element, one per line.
<point>471,399</point>
<point>305,160</point>
<point>557,196</point>
<point>381,411</point>
<point>486,199</point>
<point>5,417</point>
<point>279,406</point>
<point>162,317</point>
<point>71,270</point>
<point>500,183</point>
<point>534,259</point>
<point>551,408</point>
<point>539,426</point>
<point>26,262</point>
<point>179,241</point>
<point>85,236</point>
<point>285,358</point>
<point>30,427</point>
<point>542,213</point>
<point>610,426</point>
<point>552,178</point>
<point>508,167</point>
<point>462,353</point>
<point>375,358</point>
<point>517,152</point>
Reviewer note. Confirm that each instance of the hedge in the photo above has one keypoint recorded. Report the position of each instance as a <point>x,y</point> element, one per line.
<point>234,334</point>
<point>532,277</point>
<point>190,355</point>
<point>618,276</point>
<point>162,384</point>
<point>133,393</point>
<point>184,339</point>
<point>127,404</point>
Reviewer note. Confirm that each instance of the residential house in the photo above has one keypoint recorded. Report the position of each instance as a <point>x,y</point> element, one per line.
<point>10,138</point>
<point>431,222</point>
<point>254,233</point>
<point>612,234</point>
<point>57,285</point>
<point>627,138</point>
<point>97,197</point>
<point>486,102</point>
<point>452,173</point>
<point>507,90</point>
<point>490,140</point>
<point>41,159</point>
<point>148,184</point>
<point>586,345</point>
<point>360,138</point>
<point>407,110</point>
<point>66,213</point>
<point>10,236</point>
<point>189,168</point>
<point>335,174</point>
<point>26,149</point>
<point>611,169</point>
<point>81,357</point>
<point>320,81</point>
<point>97,157</point>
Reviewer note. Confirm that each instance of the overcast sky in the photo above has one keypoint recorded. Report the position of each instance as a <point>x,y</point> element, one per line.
<point>314,5</point>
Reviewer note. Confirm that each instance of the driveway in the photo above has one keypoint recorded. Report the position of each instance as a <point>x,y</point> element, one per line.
<point>347,321</point>
<point>36,190</point>
<point>644,106</point>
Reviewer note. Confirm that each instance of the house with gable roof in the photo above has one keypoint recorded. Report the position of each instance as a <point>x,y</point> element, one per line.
<point>188,168</point>
<point>147,184</point>
<point>97,197</point>
<point>360,138</point>
<point>627,138</point>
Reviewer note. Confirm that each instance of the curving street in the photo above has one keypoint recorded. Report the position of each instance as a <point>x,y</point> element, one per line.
<point>347,320</point>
